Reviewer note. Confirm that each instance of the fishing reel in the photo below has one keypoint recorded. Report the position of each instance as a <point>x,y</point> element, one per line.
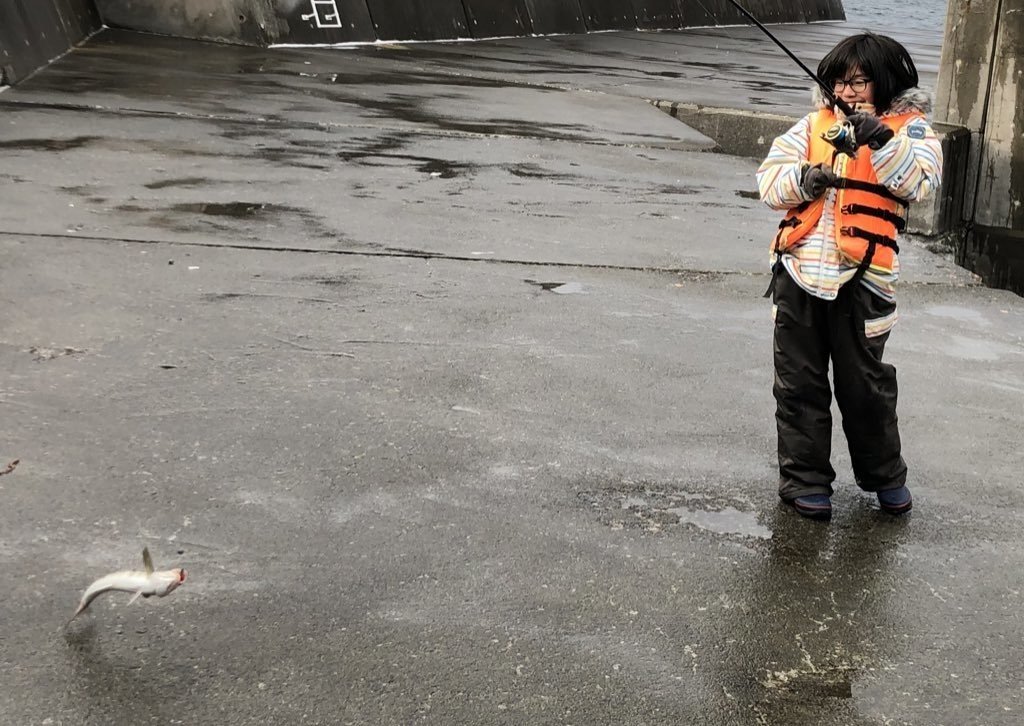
<point>842,137</point>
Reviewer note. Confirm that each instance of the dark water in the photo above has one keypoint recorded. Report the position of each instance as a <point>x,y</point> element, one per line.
<point>882,16</point>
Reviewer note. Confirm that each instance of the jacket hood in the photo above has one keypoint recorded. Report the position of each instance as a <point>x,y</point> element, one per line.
<point>912,99</point>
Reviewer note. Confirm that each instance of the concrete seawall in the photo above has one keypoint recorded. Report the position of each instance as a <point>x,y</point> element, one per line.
<point>264,22</point>
<point>981,88</point>
<point>34,32</point>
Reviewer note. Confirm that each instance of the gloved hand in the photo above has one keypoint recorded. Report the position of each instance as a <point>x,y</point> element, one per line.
<point>870,130</point>
<point>817,179</point>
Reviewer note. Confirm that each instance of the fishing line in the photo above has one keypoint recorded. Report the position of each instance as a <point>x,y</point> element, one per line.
<point>841,134</point>
<point>826,89</point>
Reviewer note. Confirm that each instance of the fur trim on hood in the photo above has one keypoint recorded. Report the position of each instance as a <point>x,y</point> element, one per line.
<point>913,99</point>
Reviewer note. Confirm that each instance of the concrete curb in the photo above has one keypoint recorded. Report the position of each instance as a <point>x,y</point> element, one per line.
<point>750,134</point>
<point>735,132</point>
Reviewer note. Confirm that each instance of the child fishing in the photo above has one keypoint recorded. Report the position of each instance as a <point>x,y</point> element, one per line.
<point>845,182</point>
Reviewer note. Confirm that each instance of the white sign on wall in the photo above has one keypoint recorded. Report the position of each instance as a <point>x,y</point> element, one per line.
<point>326,14</point>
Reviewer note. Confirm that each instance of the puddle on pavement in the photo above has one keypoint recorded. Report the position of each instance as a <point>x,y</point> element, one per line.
<point>677,189</point>
<point>74,142</point>
<point>726,521</point>
<point>434,167</point>
<point>836,682</point>
<point>559,288</point>
<point>202,216</point>
<point>534,171</point>
<point>43,354</point>
<point>634,503</point>
<point>188,181</point>
<point>442,169</point>
<point>236,210</point>
<point>656,510</point>
<point>239,210</point>
<point>79,189</point>
<point>381,152</point>
<point>328,280</point>
<point>960,314</point>
<point>414,110</point>
<point>974,349</point>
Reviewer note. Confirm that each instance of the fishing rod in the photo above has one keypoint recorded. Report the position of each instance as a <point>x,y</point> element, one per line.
<point>841,134</point>
<point>829,92</point>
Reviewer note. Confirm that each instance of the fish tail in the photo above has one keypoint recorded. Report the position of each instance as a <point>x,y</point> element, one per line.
<point>81,608</point>
<point>85,602</point>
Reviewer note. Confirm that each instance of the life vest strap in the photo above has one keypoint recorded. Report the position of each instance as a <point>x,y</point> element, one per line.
<point>872,238</point>
<point>776,270</point>
<point>793,221</point>
<point>858,275</point>
<point>877,189</point>
<point>896,220</point>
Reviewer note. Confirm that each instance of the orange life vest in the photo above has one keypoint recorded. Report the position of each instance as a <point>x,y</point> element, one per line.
<point>867,215</point>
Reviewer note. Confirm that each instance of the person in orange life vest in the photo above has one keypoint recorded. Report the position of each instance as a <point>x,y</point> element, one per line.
<point>835,267</point>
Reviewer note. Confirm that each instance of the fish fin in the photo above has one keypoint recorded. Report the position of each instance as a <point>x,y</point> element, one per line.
<point>147,560</point>
<point>135,597</point>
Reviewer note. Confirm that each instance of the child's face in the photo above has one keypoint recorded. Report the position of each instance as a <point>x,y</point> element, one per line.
<point>855,87</point>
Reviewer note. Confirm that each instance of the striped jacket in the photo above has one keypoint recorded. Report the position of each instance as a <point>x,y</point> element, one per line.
<point>910,165</point>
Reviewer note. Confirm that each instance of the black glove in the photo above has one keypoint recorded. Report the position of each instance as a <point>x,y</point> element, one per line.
<point>817,179</point>
<point>870,130</point>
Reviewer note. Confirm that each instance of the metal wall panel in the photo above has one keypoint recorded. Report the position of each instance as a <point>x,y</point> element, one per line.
<point>782,11</point>
<point>46,31</point>
<point>556,16</point>
<point>34,32</point>
<point>490,18</point>
<point>722,12</point>
<point>708,13</point>
<point>826,10</point>
<point>658,14</point>
<point>18,56</point>
<point>419,19</point>
<point>326,21</point>
<point>608,15</point>
<point>237,21</point>
<point>80,18</point>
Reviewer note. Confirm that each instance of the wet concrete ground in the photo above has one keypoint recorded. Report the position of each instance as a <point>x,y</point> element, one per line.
<point>451,389</point>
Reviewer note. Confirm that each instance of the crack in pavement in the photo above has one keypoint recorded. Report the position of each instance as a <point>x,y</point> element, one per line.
<point>391,252</point>
<point>396,252</point>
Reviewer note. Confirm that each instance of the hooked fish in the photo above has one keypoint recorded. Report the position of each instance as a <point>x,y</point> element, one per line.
<point>146,583</point>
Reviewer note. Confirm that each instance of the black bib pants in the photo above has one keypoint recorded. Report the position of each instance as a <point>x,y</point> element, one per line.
<point>809,332</point>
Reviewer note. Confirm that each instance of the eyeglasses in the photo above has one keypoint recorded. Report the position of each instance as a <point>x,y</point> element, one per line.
<point>857,85</point>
